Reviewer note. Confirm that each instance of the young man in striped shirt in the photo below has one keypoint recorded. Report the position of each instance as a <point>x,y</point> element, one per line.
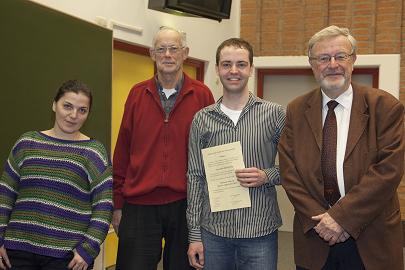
<point>244,238</point>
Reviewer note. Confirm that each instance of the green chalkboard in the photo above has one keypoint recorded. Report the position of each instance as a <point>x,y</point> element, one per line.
<point>39,49</point>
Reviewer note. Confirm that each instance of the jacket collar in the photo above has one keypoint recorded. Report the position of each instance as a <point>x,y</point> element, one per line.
<point>358,117</point>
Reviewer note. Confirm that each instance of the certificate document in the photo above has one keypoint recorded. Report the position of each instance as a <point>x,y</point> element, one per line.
<point>225,191</point>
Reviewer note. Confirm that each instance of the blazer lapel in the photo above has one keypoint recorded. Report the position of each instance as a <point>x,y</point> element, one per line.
<point>314,115</point>
<point>358,119</point>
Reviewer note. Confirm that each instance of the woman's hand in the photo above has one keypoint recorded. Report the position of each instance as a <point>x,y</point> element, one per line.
<point>77,263</point>
<point>4,261</point>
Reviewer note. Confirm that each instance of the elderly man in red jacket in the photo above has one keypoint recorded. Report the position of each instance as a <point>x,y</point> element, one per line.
<point>150,160</point>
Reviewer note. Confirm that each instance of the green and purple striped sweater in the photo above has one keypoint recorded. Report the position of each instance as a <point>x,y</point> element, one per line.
<point>56,196</point>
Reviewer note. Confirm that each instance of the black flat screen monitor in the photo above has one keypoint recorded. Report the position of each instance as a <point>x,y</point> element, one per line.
<point>211,9</point>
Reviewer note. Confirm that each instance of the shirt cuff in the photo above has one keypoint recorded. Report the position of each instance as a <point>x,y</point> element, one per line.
<point>273,176</point>
<point>85,256</point>
<point>194,235</point>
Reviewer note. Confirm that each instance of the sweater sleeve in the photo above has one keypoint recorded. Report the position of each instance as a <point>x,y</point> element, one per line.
<point>9,184</point>
<point>102,206</point>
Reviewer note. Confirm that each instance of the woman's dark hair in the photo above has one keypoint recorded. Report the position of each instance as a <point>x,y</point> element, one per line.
<point>74,86</point>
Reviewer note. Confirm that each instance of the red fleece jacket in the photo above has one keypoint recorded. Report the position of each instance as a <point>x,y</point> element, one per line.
<point>150,157</point>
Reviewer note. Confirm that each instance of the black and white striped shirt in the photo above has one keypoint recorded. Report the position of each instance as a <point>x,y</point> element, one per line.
<point>258,129</point>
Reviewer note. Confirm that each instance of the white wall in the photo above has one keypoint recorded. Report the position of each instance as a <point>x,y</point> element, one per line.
<point>203,35</point>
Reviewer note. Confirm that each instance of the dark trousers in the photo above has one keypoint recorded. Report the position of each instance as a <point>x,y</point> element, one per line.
<point>22,260</point>
<point>343,256</point>
<point>140,235</point>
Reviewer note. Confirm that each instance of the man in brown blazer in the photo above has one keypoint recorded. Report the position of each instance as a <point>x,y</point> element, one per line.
<point>341,161</point>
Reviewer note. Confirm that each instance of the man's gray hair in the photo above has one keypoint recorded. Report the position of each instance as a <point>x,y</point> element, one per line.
<point>330,32</point>
<point>181,34</point>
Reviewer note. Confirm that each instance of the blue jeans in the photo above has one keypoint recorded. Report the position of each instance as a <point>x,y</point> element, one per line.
<point>222,253</point>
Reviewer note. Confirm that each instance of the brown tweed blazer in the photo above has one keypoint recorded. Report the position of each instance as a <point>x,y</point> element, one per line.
<point>373,168</point>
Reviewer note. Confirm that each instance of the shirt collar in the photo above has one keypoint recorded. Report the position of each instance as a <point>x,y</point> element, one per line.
<point>178,86</point>
<point>251,101</point>
<point>345,99</point>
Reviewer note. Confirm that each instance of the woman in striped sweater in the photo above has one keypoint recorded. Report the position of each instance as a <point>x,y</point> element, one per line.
<point>56,192</point>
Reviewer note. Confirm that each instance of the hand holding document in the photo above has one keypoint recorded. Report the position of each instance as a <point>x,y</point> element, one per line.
<point>220,163</point>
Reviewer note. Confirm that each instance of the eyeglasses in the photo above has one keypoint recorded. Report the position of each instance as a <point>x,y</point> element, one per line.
<point>228,65</point>
<point>326,58</point>
<point>163,50</point>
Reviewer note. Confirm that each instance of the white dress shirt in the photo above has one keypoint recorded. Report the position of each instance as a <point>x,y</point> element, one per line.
<point>342,112</point>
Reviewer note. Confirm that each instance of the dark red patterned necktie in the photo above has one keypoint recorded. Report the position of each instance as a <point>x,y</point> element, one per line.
<point>328,157</point>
